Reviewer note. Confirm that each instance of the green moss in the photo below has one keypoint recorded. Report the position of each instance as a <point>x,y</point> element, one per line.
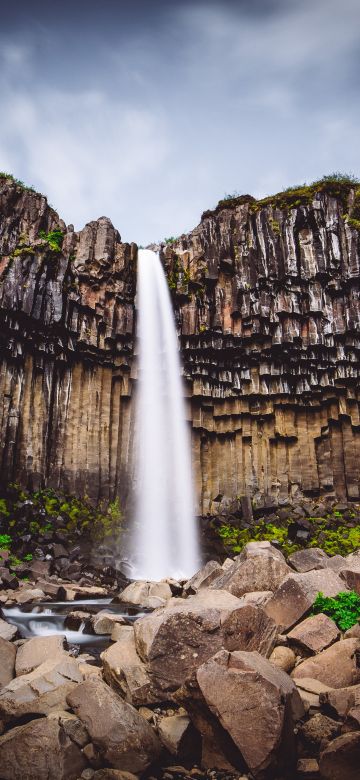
<point>3,508</point>
<point>23,250</point>
<point>5,541</point>
<point>344,609</point>
<point>334,537</point>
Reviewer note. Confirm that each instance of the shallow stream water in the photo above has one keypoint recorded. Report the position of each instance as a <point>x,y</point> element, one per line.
<point>48,618</point>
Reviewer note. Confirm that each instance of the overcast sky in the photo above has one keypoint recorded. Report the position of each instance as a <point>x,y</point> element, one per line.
<point>149,111</point>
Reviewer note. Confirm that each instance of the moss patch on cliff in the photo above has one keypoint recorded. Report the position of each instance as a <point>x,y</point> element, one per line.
<point>45,513</point>
<point>9,177</point>
<point>333,533</point>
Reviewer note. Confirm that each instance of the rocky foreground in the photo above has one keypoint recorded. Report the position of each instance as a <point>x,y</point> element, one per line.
<point>228,675</point>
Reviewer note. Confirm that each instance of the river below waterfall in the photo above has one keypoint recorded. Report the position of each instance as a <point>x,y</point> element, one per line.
<point>50,617</point>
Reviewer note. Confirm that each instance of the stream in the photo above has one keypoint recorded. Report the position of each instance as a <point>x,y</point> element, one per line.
<point>48,618</point>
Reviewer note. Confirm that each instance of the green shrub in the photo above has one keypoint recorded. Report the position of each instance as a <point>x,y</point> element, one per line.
<point>54,239</point>
<point>344,609</point>
<point>5,541</point>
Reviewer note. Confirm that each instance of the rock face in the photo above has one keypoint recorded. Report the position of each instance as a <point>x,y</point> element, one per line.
<point>267,307</point>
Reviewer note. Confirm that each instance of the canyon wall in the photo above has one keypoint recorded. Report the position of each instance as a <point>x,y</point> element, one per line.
<point>266,300</point>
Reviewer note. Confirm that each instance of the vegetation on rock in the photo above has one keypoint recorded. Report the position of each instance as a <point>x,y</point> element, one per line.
<point>344,608</point>
<point>18,182</point>
<point>54,239</point>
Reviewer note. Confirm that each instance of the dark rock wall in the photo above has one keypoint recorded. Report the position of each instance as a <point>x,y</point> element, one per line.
<point>266,299</point>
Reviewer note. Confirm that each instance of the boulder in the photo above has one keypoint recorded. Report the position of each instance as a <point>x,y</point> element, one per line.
<point>74,592</point>
<point>283,657</point>
<point>341,758</point>
<point>146,594</point>
<point>175,640</point>
<point>36,651</point>
<point>42,691</point>
<point>7,630</point>
<point>77,618</point>
<point>297,593</point>
<point>314,634</point>
<point>125,671</point>
<point>256,704</point>
<point>307,560</point>
<point>307,769</point>
<point>336,666</point>
<point>258,597</point>
<point>40,750</point>
<point>310,691</point>
<point>340,701</point>
<point>113,774</point>
<point>258,567</point>
<point>204,577</point>
<point>27,596</point>
<point>104,622</point>
<point>7,662</point>
<point>173,731</point>
<point>351,579</point>
<point>124,739</point>
<point>318,731</point>
<point>353,632</point>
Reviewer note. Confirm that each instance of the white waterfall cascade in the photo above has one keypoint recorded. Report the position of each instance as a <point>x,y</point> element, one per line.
<point>165,542</point>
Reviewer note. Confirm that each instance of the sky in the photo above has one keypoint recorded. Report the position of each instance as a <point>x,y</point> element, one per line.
<point>150,111</point>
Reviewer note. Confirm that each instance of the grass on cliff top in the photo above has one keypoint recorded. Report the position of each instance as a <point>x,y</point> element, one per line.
<point>336,184</point>
<point>18,182</point>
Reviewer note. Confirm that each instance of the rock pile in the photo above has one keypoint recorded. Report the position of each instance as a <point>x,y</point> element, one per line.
<point>232,677</point>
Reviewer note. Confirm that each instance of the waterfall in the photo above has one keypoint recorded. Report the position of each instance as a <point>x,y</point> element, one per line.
<point>165,540</point>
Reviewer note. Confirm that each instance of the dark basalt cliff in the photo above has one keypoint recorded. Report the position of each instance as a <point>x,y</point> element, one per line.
<point>266,297</point>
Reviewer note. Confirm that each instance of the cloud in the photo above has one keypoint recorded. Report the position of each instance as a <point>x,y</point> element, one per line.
<point>150,119</point>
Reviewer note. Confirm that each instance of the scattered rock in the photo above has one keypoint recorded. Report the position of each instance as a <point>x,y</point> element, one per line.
<point>7,630</point>
<point>337,666</point>
<point>146,594</point>
<point>283,657</point>
<point>27,596</point>
<point>113,774</point>
<point>77,618</point>
<point>7,662</point>
<point>341,759</point>
<point>40,750</point>
<point>318,731</point>
<point>256,703</point>
<point>38,650</point>
<point>310,691</point>
<point>73,592</point>
<point>40,692</point>
<point>204,577</point>
<point>297,594</point>
<point>258,567</point>
<point>307,769</point>
<point>306,560</point>
<point>314,634</point>
<point>104,622</point>
<point>125,671</point>
<point>172,731</point>
<point>122,736</point>
<point>339,701</point>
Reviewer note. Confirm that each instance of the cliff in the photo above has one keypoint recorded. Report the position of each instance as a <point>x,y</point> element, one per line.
<point>266,299</point>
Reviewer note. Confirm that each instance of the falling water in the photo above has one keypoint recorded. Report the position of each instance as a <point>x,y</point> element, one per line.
<point>165,539</point>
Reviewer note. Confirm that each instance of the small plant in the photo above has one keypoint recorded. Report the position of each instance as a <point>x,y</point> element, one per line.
<point>344,609</point>
<point>54,239</point>
<point>5,541</point>
<point>28,557</point>
<point>170,240</point>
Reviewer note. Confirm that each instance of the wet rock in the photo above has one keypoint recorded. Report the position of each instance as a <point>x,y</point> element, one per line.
<point>125,671</point>
<point>297,594</point>
<point>204,577</point>
<point>256,704</point>
<point>40,750</point>
<point>341,759</point>
<point>259,567</point>
<point>74,592</point>
<point>124,739</point>
<point>77,618</point>
<point>146,594</point>
<point>337,666</point>
<point>27,596</point>
<point>283,657</point>
<point>38,650</point>
<point>7,630</point>
<point>40,692</point>
<point>314,634</point>
<point>307,560</point>
<point>7,662</point>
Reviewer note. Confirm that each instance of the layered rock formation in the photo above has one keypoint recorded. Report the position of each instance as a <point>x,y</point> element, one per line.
<point>266,298</point>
